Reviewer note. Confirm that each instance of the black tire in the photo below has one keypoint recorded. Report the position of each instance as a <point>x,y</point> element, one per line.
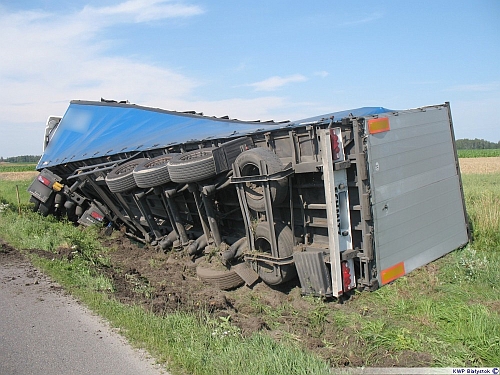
<point>153,172</point>
<point>223,280</point>
<point>47,207</point>
<point>36,203</point>
<point>284,240</point>
<point>121,178</point>
<point>248,162</point>
<point>44,209</point>
<point>192,166</point>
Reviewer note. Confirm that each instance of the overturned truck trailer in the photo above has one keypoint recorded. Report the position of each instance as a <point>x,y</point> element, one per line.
<point>352,199</point>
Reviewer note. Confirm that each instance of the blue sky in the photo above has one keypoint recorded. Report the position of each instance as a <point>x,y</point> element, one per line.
<point>259,59</point>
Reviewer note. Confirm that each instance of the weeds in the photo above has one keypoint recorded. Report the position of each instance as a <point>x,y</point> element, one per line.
<point>140,285</point>
<point>447,310</point>
<point>155,263</point>
<point>470,265</point>
<point>483,201</point>
<point>378,333</point>
<point>318,314</point>
<point>222,327</point>
<point>92,280</point>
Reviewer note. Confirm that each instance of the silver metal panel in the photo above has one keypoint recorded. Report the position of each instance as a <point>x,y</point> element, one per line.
<point>416,195</point>
<point>331,212</point>
<point>414,153</point>
<point>426,207</point>
<point>418,226</point>
<point>388,190</point>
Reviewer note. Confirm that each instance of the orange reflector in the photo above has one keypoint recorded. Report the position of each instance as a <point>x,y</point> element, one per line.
<point>378,125</point>
<point>392,273</point>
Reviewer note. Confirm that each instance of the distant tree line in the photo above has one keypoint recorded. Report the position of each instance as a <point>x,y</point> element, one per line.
<point>476,144</point>
<point>21,159</point>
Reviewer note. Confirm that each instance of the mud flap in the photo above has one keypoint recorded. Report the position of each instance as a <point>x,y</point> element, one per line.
<point>246,273</point>
<point>313,273</point>
<point>92,216</point>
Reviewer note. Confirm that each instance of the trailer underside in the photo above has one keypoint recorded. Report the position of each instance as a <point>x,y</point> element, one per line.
<point>275,201</point>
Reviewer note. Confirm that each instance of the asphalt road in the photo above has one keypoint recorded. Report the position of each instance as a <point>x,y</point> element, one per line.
<point>44,331</point>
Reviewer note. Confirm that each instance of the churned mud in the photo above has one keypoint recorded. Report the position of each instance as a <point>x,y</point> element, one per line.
<point>167,282</point>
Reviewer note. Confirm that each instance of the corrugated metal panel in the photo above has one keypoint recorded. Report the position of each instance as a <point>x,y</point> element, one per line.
<point>416,198</point>
<point>418,227</point>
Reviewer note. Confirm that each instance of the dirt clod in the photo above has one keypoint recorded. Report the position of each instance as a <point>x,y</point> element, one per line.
<point>167,282</point>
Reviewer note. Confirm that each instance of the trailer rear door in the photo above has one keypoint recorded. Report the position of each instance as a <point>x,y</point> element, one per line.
<point>416,190</point>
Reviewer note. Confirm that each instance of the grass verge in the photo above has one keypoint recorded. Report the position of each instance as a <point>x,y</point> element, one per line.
<point>189,343</point>
<point>447,313</point>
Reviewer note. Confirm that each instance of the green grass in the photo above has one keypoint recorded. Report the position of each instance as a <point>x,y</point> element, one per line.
<point>453,318</point>
<point>17,167</point>
<point>447,311</point>
<point>190,343</point>
<point>194,344</point>
<point>480,153</point>
<point>8,192</point>
<point>482,196</point>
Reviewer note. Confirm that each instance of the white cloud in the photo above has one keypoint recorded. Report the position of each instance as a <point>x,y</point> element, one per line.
<point>468,124</point>
<point>145,10</point>
<point>49,59</point>
<point>273,83</point>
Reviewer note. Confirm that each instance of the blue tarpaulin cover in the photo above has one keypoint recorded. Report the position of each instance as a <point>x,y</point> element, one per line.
<point>96,129</point>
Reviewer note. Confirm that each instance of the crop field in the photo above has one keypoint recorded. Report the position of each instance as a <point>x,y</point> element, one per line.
<point>444,314</point>
<point>480,165</point>
<point>479,153</point>
<point>16,167</point>
<point>17,171</point>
